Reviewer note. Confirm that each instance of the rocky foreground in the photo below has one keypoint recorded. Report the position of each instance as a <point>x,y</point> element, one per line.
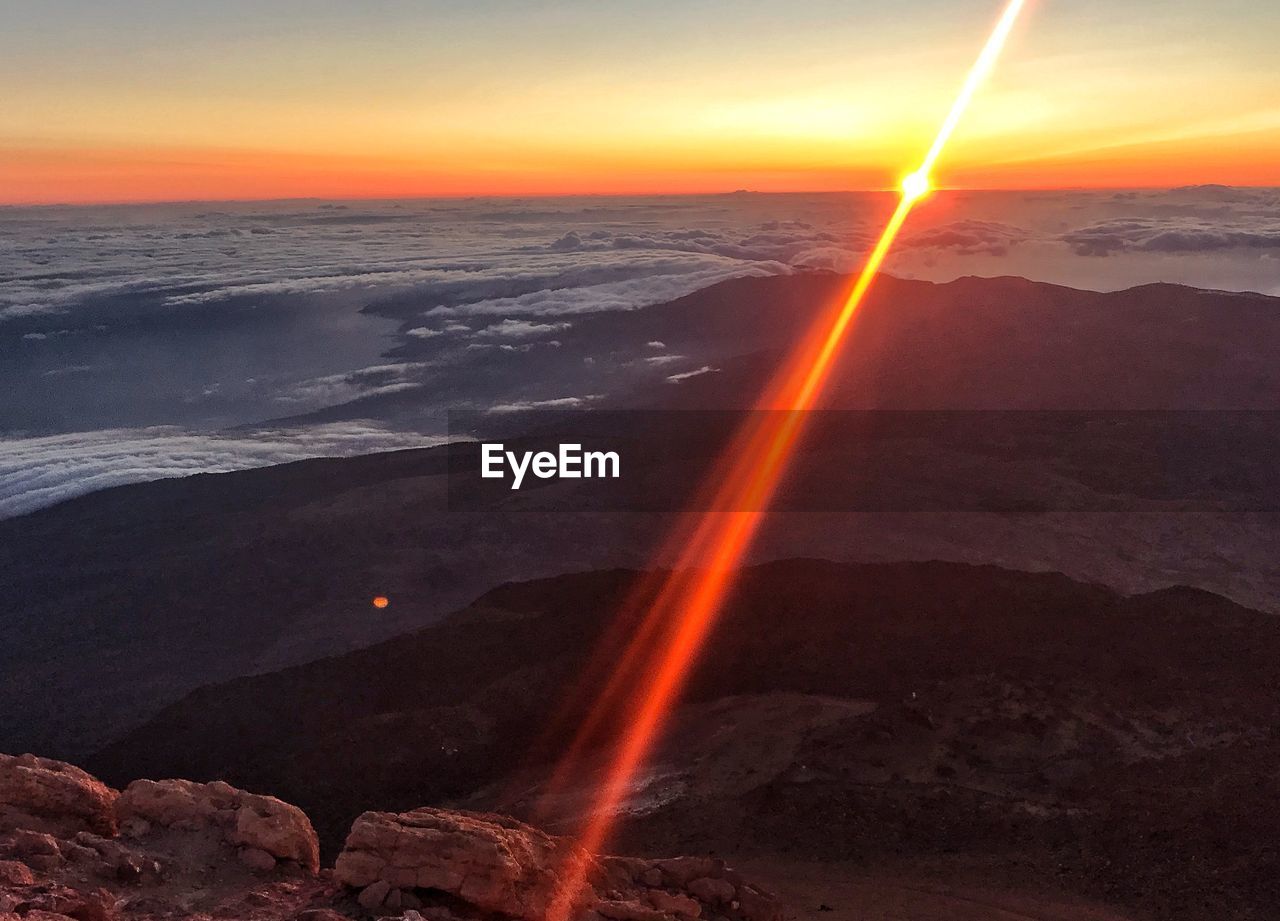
<point>72,847</point>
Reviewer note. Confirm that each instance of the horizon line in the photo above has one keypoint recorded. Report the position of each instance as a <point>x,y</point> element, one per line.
<point>140,202</point>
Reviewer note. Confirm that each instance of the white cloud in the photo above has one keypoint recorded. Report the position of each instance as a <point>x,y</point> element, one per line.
<point>685,375</point>
<point>520,406</point>
<point>363,382</point>
<point>521,329</point>
<point>36,472</point>
<point>655,282</point>
<point>21,311</point>
<point>1172,235</point>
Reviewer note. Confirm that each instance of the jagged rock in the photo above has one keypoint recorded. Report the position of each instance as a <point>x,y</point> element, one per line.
<point>279,828</point>
<point>262,823</point>
<point>320,914</point>
<point>79,854</point>
<point>713,891</point>
<point>256,859</point>
<point>680,871</point>
<point>618,910</point>
<point>62,902</point>
<point>27,843</point>
<point>180,804</point>
<point>477,865</point>
<point>492,862</point>
<point>674,904</point>
<point>135,827</point>
<point>47,795</point>
<point>430,913</point>
<point>373,895</point>
<point>13,873</point>
<point>758,905</point>
<point>109,850</point>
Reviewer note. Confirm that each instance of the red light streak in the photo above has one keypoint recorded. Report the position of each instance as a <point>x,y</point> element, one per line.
<point>711,546</point>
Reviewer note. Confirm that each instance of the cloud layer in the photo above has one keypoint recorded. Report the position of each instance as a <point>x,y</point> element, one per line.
<point>197,318</point>
<point>36,472</point>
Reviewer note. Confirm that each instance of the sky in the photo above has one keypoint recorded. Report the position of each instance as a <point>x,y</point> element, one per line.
<point>176,100</point>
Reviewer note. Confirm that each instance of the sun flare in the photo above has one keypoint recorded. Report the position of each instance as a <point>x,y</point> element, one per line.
<point>916,185</point>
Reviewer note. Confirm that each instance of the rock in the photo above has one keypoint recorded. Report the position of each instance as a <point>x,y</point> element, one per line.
<point>13,873</point>
<point>61,902</point>
<point>136,827</point>
<point>262,823</point>
<point>44,863</point>
<point>373,895</point>
<point>757,905</point>
<point>111,851</point>
<point>27,843</point>
<point>48,795</point>
<point>673,904</point>
<point>94,906</point>
<point>320,914</point>
<point>617,910</point>
<point>619,872</point>
<point>256,859</point>
<point>494,863</point>
<point>431,913</point>
<point>279,828</point>
<point>713,891</point>
<point>78,853</point>
<point>180,804</point>
<point>680,871</point>
<point>652,877</point>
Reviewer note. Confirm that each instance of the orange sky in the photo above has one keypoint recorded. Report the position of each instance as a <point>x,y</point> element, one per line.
<point>145,101</point>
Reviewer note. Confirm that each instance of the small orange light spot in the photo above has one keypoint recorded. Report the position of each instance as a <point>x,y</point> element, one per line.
<point>381,601</point>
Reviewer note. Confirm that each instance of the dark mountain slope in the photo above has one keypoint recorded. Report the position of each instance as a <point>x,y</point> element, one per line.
<point>973,343</point>
<point>885,712</point>
<point>118,603</point>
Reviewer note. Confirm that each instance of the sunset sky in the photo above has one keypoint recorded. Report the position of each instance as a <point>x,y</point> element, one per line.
<point>125,101</point>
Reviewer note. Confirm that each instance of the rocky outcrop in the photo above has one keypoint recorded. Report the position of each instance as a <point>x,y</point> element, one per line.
<point>49,796</point>
<point>73,848</point>
<point>52,902</point>
<point>495,865</point>
<point>491,862</point>
<point>678,889</point>
<point>264,828</point>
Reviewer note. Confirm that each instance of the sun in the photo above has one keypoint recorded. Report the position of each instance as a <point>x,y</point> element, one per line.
<point>916,185</point>
<point>381,601</point>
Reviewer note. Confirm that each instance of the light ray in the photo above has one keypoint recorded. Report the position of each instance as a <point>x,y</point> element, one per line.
<point>713,544</point>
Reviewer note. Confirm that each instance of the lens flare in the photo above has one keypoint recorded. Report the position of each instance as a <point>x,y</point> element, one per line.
<point>916,186</point>
<point>712,545</point>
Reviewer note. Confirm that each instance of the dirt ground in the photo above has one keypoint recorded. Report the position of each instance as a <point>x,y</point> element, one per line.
<point>839,891</point>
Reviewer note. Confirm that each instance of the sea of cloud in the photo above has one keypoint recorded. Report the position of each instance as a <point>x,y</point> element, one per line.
<point>133,338</point>
<point>35,472</point>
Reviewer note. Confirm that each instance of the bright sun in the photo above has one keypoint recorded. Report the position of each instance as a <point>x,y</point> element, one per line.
<point>916,185</point>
